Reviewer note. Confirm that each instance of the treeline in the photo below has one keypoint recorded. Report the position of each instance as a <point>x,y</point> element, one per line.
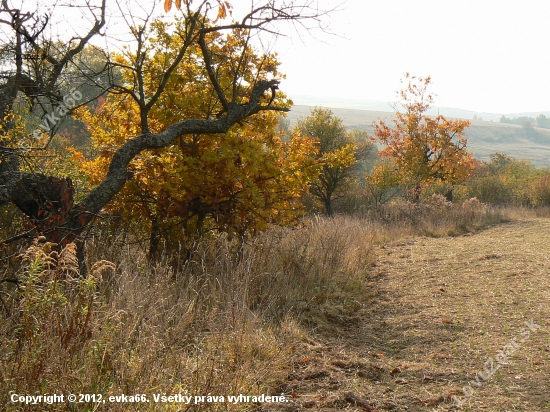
<point>540,121</point>
<point>501,181</point>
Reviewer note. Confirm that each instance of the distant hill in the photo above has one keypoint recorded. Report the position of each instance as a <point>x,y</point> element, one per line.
<point>484,137</point>
<point>380,106</point>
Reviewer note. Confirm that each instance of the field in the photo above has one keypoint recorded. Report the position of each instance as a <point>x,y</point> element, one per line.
<point>436,313</point>
<point>394,311</point>
<point>484,137</point>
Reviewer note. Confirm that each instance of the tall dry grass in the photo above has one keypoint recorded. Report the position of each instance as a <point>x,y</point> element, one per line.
<point>435,216</point>
<point>224,323</point>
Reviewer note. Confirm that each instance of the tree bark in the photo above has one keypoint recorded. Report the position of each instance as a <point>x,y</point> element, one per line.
<point>449,195</point>
<point>328,207</point>
<point>154,240</point>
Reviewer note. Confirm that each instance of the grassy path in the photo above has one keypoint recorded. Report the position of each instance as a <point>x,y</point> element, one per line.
<point>435,312</point>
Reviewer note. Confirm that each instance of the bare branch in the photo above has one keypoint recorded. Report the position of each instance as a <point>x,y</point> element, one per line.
<point>211,74</point>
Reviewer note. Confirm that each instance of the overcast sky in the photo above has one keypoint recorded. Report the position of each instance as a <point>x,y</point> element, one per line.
<point>482,55</point>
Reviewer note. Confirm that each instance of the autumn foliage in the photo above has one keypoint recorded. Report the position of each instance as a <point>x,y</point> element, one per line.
<point>237,182</point>
<point>424,149</point>
<point>224,7</point>
<point>338,151</point>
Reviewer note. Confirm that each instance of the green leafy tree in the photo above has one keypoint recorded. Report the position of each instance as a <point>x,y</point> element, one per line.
<point>338,153</point>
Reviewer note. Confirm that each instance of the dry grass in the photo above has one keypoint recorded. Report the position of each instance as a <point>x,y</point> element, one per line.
<point>434,311</point>
<point>438,310</point>
<point>221,325</point>
<point>299,311</point>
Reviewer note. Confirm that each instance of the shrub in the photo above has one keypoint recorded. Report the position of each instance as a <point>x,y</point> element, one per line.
<point>540,191</point>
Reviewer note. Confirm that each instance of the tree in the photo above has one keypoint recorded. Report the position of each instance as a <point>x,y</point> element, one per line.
<point>542,121</point>
<point>382,182</point>
<point>424,149</point>
<point>339,150</point>
<point>35,73</point>
<point>236,182</point>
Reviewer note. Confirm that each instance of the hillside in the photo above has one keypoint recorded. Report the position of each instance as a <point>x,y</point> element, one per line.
<point>484,137</point>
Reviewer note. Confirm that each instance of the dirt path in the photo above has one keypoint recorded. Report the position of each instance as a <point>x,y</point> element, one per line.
<point>436,312</point>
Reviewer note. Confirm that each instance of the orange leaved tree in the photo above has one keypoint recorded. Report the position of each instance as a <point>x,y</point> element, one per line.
<point>424,149</point>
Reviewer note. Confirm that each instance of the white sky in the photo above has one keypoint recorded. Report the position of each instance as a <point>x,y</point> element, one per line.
<point>482,55</point>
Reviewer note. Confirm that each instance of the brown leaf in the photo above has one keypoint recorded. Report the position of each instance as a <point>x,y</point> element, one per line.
<point>167,5</point>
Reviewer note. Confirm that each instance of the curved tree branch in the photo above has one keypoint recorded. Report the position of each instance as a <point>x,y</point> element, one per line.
<point>118,173</point>
<point>32,192</point>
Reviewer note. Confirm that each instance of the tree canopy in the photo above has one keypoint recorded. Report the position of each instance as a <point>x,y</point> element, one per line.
<point>424,149</point>
<point>235,181</point>
<point>339,150</point>
<point>194,73</point>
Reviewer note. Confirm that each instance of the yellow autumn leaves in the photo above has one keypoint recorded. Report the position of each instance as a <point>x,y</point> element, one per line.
<point>236,182</point>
